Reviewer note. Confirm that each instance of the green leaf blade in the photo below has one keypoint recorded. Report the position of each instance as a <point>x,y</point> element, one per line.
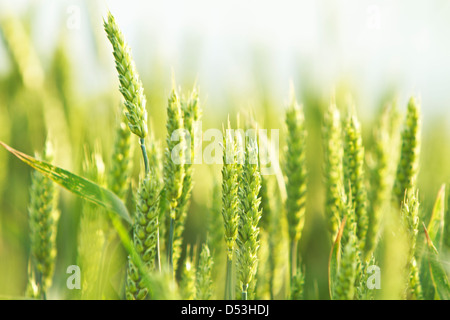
<point>437,272</point>
<point>78,185</point>
<point>436,224</point>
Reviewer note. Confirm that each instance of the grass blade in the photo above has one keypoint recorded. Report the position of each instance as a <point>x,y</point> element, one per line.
<point>438,274</point>
<point>436,224</point>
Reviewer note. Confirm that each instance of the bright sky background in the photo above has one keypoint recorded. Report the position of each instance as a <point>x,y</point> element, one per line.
<point>373,44</point>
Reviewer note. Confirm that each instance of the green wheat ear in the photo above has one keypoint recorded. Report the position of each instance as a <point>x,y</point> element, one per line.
<point>296,175</point>
<point>354,180</point>
<point>345,287</point>
<point>145,236</point>
<point>408,165</point>
<point>130,84</point>
<point>333,168</point>
<point>43,217</point>
<point>382,172</point>
<point>191,113</point>
<point>187,284</point>
<point>410,220</point>
<point>121,165</point>
<point>230,201</point>
<point>174,170</point>
<point>297,286</point>
<point>250,214</point>
<point>204,275</point>
<point>230,193</point>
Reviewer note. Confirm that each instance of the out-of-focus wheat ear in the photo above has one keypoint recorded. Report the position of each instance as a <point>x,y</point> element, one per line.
<point>191,114</point>
<point>354,176</point>
<point>174,166</point>
<point>297,286</point>
<point>250,214</point>
<point>188,273</point>
<point>43,219</point>
<point>145,236</point>
<point>381,176</point>
<point>410,220</point>
<point>296,176</point>
<point>203,281</point>
<point>408,165</point>
<point>230,201</point>
<point>121,164</point>
<point>363,291</point>
<point>333,168</point>
<point>130,83</point>
<point>345,286</point>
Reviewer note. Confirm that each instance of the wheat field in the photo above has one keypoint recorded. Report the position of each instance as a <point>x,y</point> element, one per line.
<point>144,190</point>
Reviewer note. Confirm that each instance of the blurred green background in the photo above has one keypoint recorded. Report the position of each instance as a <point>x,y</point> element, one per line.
<point>57,78</point>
